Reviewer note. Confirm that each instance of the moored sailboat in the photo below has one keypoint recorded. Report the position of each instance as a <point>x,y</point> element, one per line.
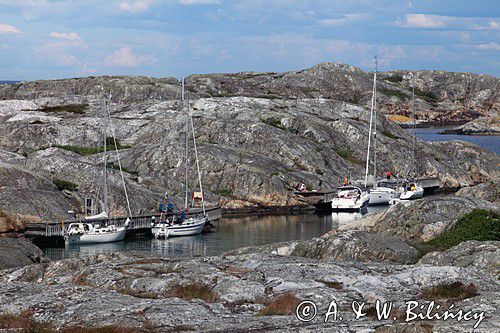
<point>98,228</point>
<point>180,224</point>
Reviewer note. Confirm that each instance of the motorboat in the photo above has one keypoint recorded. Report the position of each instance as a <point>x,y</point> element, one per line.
<point>412,191</point>
<point>350,198</point>
<point>382,195</point>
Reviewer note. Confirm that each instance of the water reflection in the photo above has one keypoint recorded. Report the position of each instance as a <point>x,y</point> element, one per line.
<point>230,233</point>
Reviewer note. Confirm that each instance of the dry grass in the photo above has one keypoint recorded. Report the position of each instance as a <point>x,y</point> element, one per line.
<point>192,291</point>
<point>80,280</point>
<point>399,118</point>
<point>332,284</point>
<point>145,261</point>
<point>282,305</point>
<point>15,222</point>
<point>24,322</point>
<point>104,329</point>
<point>455,291</point>
<point>137,293</point>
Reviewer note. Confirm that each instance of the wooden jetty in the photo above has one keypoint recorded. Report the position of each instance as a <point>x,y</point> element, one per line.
<point>136,224</point>
<point>317,198</point>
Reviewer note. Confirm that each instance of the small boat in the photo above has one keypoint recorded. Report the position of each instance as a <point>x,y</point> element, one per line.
<point>350,198</point>
<point>412,191</point>
<point>88,233</point>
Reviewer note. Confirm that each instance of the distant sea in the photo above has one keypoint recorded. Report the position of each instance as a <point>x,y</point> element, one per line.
<point>8,82</point>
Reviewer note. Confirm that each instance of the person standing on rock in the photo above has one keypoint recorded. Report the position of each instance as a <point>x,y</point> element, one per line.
<point>388,174</point>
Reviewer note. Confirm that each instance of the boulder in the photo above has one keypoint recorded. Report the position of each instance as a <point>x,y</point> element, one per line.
<point>357,246</point>
<point>422,220</point>
<point>18,252</point>
<point>479,255</point>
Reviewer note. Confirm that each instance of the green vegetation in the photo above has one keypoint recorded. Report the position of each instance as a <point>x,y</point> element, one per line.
<point>396,78</point>
<point>388,134</point>
<point>347,155</point>
<point>455,291</point>
<point>224,192</point>
<point>392,92</point>
<point>114,166</point>
<point>110,146</point>
<point>268,96</point>
<point>480,225</point>
<point>72,108</point>
<point>282,305</point>
<point>64,185</point>
<point>426,95</point>
<point>274,123</point>
<point>192,291</point>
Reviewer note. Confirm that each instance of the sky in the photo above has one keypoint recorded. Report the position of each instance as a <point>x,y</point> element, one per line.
<point>44,39</point>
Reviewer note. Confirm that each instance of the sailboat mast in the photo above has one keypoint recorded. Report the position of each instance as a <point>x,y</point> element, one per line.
<point>414,126</point>
<point>197,164</point>
<point>375,125</point>
<point>187,147</point>
<point>104,172</point>
<point>370,132</point>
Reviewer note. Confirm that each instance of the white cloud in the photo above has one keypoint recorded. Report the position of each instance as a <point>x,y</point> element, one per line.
<point>489,46</point>
<point>136,6</point>
<point>199,2</point>
<point>423,21</point>
<point>348,18</point>
<point>125,57</point>
<point>65,35</point>
<point>61,52</point>
<point>9,29</point>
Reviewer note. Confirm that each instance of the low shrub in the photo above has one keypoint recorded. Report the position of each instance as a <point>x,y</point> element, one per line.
<point>192,291</point>
<point>282,305</point>
<point>480,225</point>
<point>388,134</point>
<point>393,93</point>
<point>347,155</point>
<point>455,291</point>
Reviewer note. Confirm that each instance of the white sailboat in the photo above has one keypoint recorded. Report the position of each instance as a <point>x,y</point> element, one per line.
<point>411,189</point>
<point>379,195</point>
<point>180,224</point>
<point>98,228</point>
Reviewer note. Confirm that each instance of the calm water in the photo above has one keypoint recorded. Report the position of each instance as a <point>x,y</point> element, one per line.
<point>490,142</point>
<point>231,233</point>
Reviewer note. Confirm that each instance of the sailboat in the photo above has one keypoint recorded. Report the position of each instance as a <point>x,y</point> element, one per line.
<point>411,189</point>
<point>379,195</point>
<point>180,224</point>
<point>97,228</point>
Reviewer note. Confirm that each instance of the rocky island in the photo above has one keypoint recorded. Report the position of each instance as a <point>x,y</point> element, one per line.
<point>259,134</point>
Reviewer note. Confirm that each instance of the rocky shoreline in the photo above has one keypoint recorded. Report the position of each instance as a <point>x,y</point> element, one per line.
<point>256,289</point>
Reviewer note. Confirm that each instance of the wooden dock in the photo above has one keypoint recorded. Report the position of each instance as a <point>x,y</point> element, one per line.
<point>137,223</point>
<point>317,198</point>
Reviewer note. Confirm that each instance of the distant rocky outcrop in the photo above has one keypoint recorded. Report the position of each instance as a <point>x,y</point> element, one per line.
<point>258,135</point>
<point>487,125</point>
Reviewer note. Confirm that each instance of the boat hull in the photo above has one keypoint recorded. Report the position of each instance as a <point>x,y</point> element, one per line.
<point>382,196</point>
<point>350,204</point>
<point>412,195</point>
<point>186,230</point>
<point>108,237</point>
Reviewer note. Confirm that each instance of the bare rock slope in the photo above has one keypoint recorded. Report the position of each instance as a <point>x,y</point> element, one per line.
<point>258,135</point>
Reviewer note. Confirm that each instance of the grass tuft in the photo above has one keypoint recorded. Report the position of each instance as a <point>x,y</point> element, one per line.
<point>110,146</point>
<point>282,305</point>
<point>72,108</point>
<point>396,78</point>
<point>65,185</point>
<point>455,291</point>
<point>193,291</point>
<point>332,284</point>
<point>388,134</point>
<point>347,155</point>
<point>393,93</point>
